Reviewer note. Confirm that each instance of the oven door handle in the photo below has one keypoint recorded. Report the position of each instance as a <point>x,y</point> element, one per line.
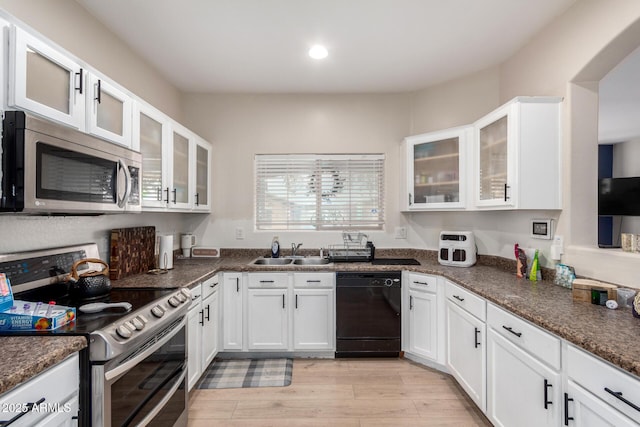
<point>164,400</point>
<point>121,369</point>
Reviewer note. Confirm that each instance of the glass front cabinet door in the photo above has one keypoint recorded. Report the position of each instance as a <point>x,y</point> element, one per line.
<point>436,169</point>
<point>517,155</point>
<point>202,170</point>
<point>109,111</point>
<point>151,138</point>
<point>45,81</point>
<point>181,187</point>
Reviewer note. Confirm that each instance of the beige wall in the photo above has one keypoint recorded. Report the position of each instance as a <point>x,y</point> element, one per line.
<point>69,25</point>
<point>455,103</point>
<point>243,125</point>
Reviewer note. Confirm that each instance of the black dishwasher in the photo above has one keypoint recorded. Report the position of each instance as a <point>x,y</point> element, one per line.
<point>368,307</point>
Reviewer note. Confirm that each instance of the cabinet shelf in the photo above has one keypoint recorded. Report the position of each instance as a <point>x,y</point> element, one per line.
<point>493,144</point>
<point>440,157</point>
<point>437,184</point>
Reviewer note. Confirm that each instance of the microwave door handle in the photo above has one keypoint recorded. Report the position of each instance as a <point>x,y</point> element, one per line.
<point>127,176</point>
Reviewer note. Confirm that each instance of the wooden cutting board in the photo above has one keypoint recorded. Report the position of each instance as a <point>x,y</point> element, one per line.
<point>132,251</point>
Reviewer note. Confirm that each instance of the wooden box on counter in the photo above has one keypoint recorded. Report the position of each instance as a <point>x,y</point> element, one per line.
<point>132,251</point>
<point>582,289</point>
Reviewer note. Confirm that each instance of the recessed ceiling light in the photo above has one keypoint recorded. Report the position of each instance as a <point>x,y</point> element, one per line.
<point>318,52</point>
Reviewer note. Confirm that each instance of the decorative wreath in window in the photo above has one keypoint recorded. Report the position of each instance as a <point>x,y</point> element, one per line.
<point>328,183</point>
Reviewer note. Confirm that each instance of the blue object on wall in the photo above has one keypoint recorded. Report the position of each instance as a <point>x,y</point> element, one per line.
<point>605,170</point>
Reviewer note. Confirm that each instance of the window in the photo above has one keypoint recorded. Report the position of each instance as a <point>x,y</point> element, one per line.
<point>319,192</point>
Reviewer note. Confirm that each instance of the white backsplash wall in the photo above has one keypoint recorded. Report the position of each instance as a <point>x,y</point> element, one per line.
<point>495,232</point>
<point>24,233</point>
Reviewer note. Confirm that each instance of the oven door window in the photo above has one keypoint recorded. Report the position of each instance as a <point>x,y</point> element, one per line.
<point>71,176</point>
<point>140,390</point>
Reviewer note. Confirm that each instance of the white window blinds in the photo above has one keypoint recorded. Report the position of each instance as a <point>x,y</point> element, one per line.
<point>319,192</point>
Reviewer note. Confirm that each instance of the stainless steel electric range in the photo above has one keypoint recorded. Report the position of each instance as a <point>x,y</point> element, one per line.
<point>134,369</point>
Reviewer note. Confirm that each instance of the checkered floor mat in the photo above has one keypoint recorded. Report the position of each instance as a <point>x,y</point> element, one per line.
<point>247,373</point>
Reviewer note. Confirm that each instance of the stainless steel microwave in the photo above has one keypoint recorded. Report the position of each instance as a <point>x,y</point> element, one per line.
<point>49,168</point>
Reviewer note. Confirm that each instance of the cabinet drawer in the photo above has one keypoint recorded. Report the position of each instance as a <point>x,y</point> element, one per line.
<point>605,381</point>
<point>422,282</point>
<point>268,280</point>
<point>209,286</point>
<point>467,300</point>
<point>529,337</point>
<point>313,280</point>
<point>196,296</point>
<point>55,385</point>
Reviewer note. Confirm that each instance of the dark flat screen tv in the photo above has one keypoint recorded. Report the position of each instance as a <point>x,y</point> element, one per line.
<point>619,196</point>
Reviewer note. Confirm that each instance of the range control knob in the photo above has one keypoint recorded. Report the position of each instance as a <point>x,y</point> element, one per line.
<point>173,302</point>
<point>129,324</point>
<point>138,323</point>
<point>185,292</point>
<point>181,297</point>
<point>123,331</point>
<point>157,311</point>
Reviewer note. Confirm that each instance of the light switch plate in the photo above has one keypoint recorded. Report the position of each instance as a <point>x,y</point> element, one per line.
<point>239,233</point>
<point>401,232</point>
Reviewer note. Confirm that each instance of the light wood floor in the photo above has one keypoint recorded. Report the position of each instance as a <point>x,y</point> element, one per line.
<point>342,392</point>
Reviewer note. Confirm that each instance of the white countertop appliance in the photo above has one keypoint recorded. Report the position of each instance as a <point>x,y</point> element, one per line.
<point>457,248</point>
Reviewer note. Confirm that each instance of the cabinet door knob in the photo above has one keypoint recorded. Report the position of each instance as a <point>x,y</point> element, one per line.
<point>80,86</point>
<point>618,395</point>
<point>547,402</point>
<point>567,418</point>
<point>510,329</point>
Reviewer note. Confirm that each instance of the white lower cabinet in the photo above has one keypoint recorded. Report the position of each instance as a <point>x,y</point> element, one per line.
<point>203,325</point>
<point>521,389</point>
<point>422,318</point>
<point>56,389</point>
<point>582,408</point>
<point>232,309</point>
<point>268,319</point>
<point>210,314</point>
<point>194,342</point>
<point>314,325</point>
<point>599,394</point>
<point>466,352</point>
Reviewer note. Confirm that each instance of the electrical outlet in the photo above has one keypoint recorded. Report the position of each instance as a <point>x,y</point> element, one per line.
<point>401,232</point>
<point>558,241</point>
<point>239,233</point>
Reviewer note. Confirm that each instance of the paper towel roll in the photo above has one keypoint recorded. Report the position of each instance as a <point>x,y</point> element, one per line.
<point>165,254</point>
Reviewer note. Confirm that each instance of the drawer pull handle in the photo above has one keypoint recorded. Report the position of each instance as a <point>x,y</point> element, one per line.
<point>567,418</point>
<point>410,302</point>
<point>29,408</point>
<point>314,281</point>
<point>510,329</point>
<point>458,298</point>
<point>266,281</point>
<point>618,395</point>
<point>547,402</point>
<point>476,343</point>
<point>420,283</point>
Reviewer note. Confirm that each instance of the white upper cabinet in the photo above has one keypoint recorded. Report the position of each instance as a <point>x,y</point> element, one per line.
<point>151,138</point>
<point>436,165</point>
<point>45,81</point>
<point>176,163</point>
<point>181,186</point>
<point>517,156</point>
<point>109,111</point>
<point>201,167</point>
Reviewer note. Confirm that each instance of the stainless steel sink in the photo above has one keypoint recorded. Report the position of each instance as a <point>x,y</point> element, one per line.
<point>311,261</point>
<point>272,261</point>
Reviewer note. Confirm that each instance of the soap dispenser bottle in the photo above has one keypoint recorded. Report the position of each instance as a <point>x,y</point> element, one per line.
<point>275,248</point>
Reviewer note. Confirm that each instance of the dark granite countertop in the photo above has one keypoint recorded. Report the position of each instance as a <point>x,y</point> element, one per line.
<point>24,357</point>
<point>609,334</point>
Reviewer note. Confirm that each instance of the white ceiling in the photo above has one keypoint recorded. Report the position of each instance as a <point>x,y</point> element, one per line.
<point>261,46</point>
